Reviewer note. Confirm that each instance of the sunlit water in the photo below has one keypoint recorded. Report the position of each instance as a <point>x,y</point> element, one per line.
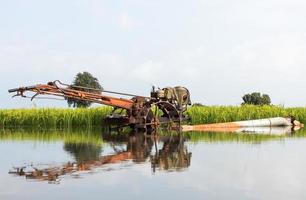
<point>81,165</point>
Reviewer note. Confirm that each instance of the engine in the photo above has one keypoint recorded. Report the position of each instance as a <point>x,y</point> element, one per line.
<point>178,96</point>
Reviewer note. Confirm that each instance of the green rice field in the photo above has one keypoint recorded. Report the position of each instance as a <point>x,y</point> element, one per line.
<point>216,114</point>
<point>90,117</point>
<point>53,117</point>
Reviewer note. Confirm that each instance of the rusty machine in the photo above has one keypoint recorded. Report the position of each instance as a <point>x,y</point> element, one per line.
<point>164,106</point>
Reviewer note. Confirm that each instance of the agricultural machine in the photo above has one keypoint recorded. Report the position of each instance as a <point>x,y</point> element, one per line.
<point>164,106</point>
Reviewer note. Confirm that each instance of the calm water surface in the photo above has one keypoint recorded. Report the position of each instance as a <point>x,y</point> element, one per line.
<point>91,165</point>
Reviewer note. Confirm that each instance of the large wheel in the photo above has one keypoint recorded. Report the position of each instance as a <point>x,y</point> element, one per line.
<point>170,113</point>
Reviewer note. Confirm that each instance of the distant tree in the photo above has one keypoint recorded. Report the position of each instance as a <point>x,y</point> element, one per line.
<point>256,98</point>
<point>266,99</point>
<point>87,80</point>
<point>197,104</point>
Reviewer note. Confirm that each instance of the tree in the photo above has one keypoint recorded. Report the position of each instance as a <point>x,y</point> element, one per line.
<point>256,98</point>
<point>197,104</point>
<point>91,83</point>
<point>266,99</point>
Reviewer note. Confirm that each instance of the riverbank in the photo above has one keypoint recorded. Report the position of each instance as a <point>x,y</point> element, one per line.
<point>82,117</point>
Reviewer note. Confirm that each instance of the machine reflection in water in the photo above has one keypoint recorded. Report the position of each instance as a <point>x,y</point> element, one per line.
<point>173,156</point>
<point>135,147</point>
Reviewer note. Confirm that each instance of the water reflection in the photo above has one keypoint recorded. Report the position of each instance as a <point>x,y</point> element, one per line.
<point>83,152</point>
<point>165,152</point>
<point>134,147</point>
<point>121,166</point>
<point>174,155</point>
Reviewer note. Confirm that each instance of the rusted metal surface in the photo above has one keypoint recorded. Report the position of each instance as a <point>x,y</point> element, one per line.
<point>55,89</point>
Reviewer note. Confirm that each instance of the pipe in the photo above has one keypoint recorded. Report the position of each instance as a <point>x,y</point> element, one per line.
<point>235,126</point>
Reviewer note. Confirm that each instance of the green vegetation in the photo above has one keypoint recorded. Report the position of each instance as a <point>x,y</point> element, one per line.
<point>256,98</point>
<point>215,114</point>
<point>86,80</point>
<point>54,118</point>
<point>91,117</point>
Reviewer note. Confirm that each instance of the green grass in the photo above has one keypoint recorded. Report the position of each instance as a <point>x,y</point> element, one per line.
<point>215,114</point>
<point>53,117</point>
<point>82,117</point>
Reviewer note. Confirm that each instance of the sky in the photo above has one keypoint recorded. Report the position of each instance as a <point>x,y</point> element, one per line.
<point>218,49</point>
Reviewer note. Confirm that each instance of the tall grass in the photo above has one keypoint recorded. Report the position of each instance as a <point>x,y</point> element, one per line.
<point>84,117</point>
<point>53,118</point>
<point>215,114</point>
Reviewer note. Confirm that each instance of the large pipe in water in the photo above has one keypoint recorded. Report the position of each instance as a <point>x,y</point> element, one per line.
<point>244,125</point>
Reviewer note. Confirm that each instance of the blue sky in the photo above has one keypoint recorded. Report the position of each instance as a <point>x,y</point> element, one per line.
<point>219,49</point>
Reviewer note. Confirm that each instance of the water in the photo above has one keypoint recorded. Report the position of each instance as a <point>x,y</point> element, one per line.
<point>90,165</point>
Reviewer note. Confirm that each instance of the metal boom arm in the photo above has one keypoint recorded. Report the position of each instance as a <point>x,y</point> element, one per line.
<point>59,89</point>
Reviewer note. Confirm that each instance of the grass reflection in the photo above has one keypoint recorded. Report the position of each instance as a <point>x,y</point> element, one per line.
<point>71,136</point>
<point>254,138</point>
<point>98,136</point>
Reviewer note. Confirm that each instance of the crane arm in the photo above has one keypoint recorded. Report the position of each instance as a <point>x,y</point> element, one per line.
<point>59,89</point>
